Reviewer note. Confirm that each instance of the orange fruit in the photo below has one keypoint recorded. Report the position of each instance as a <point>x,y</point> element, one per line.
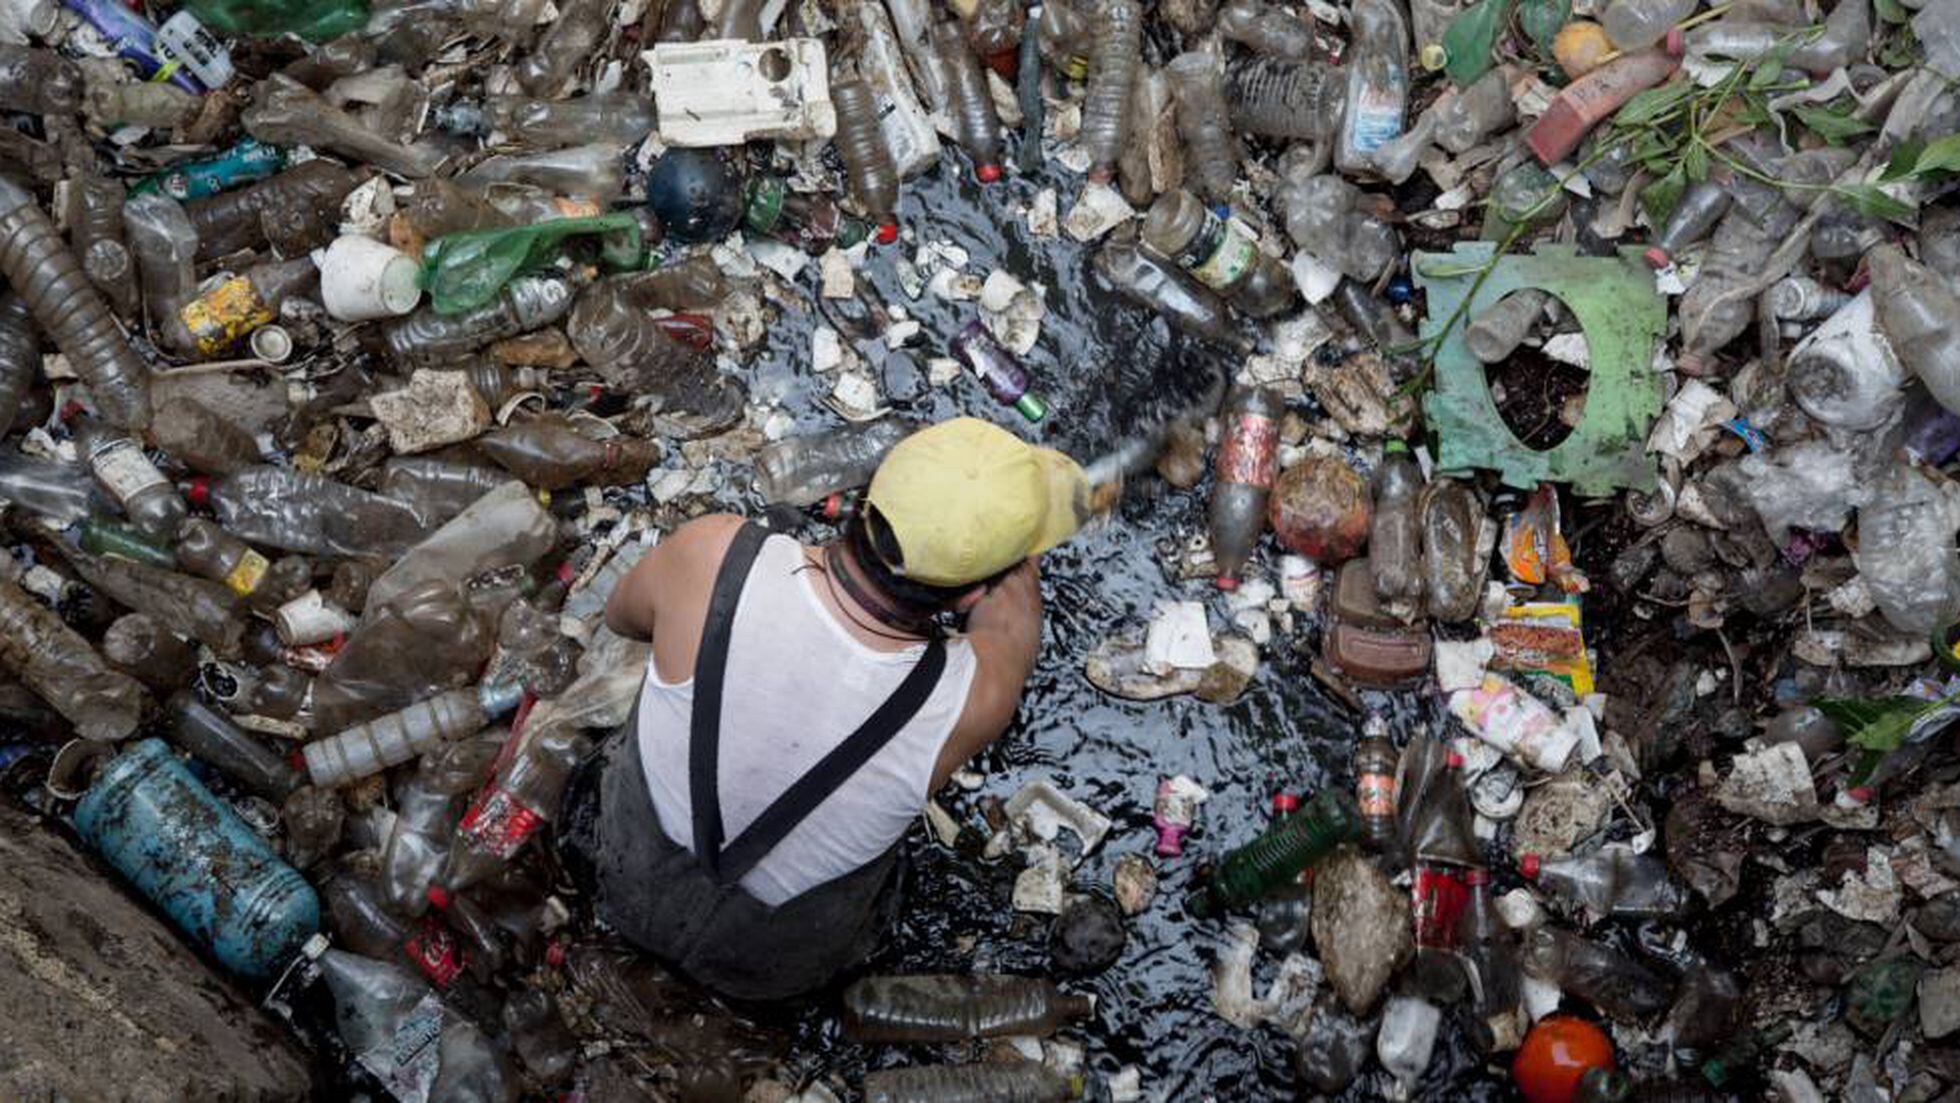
<point>1556,1053</point>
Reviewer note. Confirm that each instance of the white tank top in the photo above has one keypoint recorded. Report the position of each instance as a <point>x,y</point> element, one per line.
<point>798,684</point>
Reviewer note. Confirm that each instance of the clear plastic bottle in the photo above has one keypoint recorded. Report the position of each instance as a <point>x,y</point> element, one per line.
<point>974,119</point>
<point>138,646</point>
<point>428,339</point>
<point>593,172</point>
<point>525,795</point>
<point>42,270</point>
<point>426,809</point>
<point>1211,152</point>
<point>1802,299</point>
<point>1377,85</point>
<point>205,548</point>
<point>95,228</point>
<point>804,470</point>
<point>1395,539</point>
<point>997,369</point>
<point>1220,251</point>
<point>399,1030</point>
<point>213,738</point>
<point>231,222</point>
<point>1335,221</point>
<point>285,112</point>
<point>20,356</point>
<point>1490,963</point>
<point>59,665</point>
<point>1375,765</point>
<point>1274,98</point>
<point>614,331</point>
<point>421,644</point>
<point>504,528</point>
<point>438,488</point>
<point>373,746</point>
<point>537,1032</point>
<point>62,492</point>
<point>1718,307</point>
<point>1693,217</point>
<point>1440,831</point>
<point>196,607</point>
<point>548,451</point>
<point>570,40</point>
<point>1265,29</point>
<point>165,246</point>
<point>1610,881</point>
<point>601,118</point>
<point>1157,284</point>
<point>119,463</point>
<point>1906,553</point>
<point>867,158</point>
<point>1242,479</point>
<point>955,1008</point>
<point>1066,31</point>
<point>1454,561</point>
<point>1497,330</point>
<point>1638,24</point>
<point>1467,116</point>
<point>1018,1083</point>
<point>197,437</point>
<point>1608,979</point>
<point>38,81</point>
<point>1915,309</point>
<point>1115,51</point>
<point>282,508</point>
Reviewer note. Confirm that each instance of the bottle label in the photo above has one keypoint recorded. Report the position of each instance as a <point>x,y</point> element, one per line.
<point>499,824</point>
<point>219,317</point>
<point>308,619</point>
<point>407,1063</point>
<point>435,951</point>
<point>1377,117</point>
<point>1249,454</point>
<point>1375,793</point>
<point>1439,897</point>
<point>1221,252</point>
<point>245,575</point>
<point>125,470</point>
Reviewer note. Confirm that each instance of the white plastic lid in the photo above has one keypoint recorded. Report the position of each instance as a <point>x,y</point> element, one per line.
<point>401,286</point>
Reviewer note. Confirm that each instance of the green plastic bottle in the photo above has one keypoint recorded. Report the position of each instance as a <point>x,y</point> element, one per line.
<point>313,20</point>
<point>1277,857</point>
<point>101,536</point>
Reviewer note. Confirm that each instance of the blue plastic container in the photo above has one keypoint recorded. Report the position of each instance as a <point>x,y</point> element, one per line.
<point>218,880</point>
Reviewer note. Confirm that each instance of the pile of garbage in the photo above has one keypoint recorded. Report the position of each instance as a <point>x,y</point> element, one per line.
<point>1564,394</point>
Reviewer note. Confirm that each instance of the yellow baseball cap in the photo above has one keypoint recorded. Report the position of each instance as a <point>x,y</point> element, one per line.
<point>967,499</point>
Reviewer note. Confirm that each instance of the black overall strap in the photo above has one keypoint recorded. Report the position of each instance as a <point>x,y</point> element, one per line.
<point>813,788</point>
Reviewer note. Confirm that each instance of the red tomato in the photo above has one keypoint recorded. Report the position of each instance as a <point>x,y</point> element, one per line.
<point>1556,1053</point>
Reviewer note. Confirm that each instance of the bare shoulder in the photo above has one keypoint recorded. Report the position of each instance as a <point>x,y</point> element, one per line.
<point>702,540</point>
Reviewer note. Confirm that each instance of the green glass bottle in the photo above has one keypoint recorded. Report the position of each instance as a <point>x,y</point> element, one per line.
<point>1277,857</point>
<point>313,20</point>
<point>101,536</point>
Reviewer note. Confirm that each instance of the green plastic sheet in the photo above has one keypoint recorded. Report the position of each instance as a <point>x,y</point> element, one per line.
<point>465,271</point>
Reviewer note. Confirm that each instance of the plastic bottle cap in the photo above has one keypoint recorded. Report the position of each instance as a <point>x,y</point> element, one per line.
<point>1228,582</point>
<point>1101,174</point>
<point>1285,804</point>
<point>198,490</point>
<point>438,897</point>
<point>987,173</point>
<point>1396,447</point>
<point>1433,56</point>
<point>1453,761</point>
<point>887,232</point>
<point>1032,407</point>
<point>1528,865</point>
<point>1657,257</point>
<point>1860,793</point>
<point>1676,41</point>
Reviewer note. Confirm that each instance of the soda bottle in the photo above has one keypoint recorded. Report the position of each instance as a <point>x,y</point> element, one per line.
<point>998,370</point>
<point>1211,153</point>
<point>288,509</point>
<point>1337,223</point>
<point>426,809</point>
<point>525,795</point>
<point>1606,978</point>
<point>428,339</point>
<point>1018,1083</point>
<point>232,221</point>
<point>1375,763</point>
<point>504,528</point>
<point>1220,251</point>
<point>954,1008</point>
<point>1914,307</point>
<point>994,31</point>
<point>1277,857</point>
<point>1454,561</point>
<point>1497,330</point>
<point>213,738</point>
<point>974,119</point>
<point>1377,85</point>
<point>1114,54</point>
<point>60,666</point>
<point>137,645</point>
<point>548,451</point>
<point>1265,29</point>
<point>368,748</point>
<point>202,610</point>
<point>427,640</point>
<point>809,220</point>
<point>1157,284</point>
<point>1610,881</point>
<point>867,158</point>
<point>1243,479</point>
<point>802,471</point>
<point>1395,537</point>
<point>1490,964</point>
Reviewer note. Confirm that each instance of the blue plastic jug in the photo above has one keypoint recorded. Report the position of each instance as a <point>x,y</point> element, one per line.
<point>218,880</point>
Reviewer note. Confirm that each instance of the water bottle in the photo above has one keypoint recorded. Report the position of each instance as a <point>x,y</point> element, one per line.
<point>956,1008</point>
<point>998,370</point>
<point>549,452</point>
<point>231,222</point>
<point>1638,24</point>
<point>1066,32</point>
<point>59,665</point>
<point>1375,763</point>
<point>1610,881</point>
<point>1274,98</point>
<point>867,158</point>
<point>204,548</point>
<point>61,492</point>
<point>1496,331</point>
<point>1277,857</point>
<point>1159,285</point>
<point>1242,480</point>
<point>1906,552</point>
<point>399,1030</point>
<point>146,497</point>
<point>438,488</point>
<point>801,471</point>
<point>1377,85</point>
<point>426,810</point>
<point>1694,215</point>
<point>1337,222</point>
<point>398,737</point>
<point>282,508</point>
<point>1717,308</point>
<point>211,736</point>
<point>428,339</point>
<point>1211,153</point>
<point>1220,251</point>
<point>202,610</point>
<point>1265,29</point>
<point>1915,310</point>
<point>1114,54</point>
<point>1466,116</point>
<point>164,244</point>
<point>1845,374</point>
<point>1019,1083</point>
<point>974,119</point>
<point>95,228</point>
<point>191,855</point>
<point>137,645</point>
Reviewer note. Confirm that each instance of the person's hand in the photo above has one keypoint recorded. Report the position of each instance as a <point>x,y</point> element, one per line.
<point>1011,607</point>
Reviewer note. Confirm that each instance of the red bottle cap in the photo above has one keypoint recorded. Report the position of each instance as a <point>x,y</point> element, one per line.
<point>1860,793</point>
<point>439,897</point>
<point>1228,582</point>
<point>1676,42</point>
<point>1528,865</point>
<point>1285,804</point>
<point>1453,761</point>
<point>564,571</point>
<point>555,953</point>
<point>198,492</point>
<point>987,173</point>
<point>887,233</point>
<point>1657,258</point>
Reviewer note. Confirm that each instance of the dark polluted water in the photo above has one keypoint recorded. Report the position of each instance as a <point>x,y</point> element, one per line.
<point>1105,365</point>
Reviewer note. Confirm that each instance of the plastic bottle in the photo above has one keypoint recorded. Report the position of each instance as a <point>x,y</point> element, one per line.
<point>1515,722</point>
<point>1335,221</point>
<point>1408,1037</point>
<point>1610,881</point>
<point>1395,537</point>
<point>138,646</point>
<point>634,350</point>
<point>539,1036</point>
<point>1272,98</point>
<point>548,451</point>
<point>1906,553</point>
<point>61,492</point>
<point>1734,1061</point>
<point>313,20</point>
<point>801,471</point>
<point>571,39</point>
<point>230,222</point>
<point>1440,831</point>
<point>1220,251</point>
<point>202,610</point>
<point>371,747</point>
<point>119,463</point>
<point>504,528</point>
<point>213,738</point>
<point>954,1008</point>
<point>1278,856</point>
<point>1377,85</point>
<point>428,339</point>
<point>114,104</point>
<point>1693,217</point>
<point>809,220</point>
<point>1469,115</point>
<point>20,356</point>
<point>867,158</point>
<point>1017,1083</point>
<point>69,310</point>
<point>1160,285</point>
<point>1608,979</point>
<point>1915,310</point>
<point>1490,963</point>
<point>1243,478</point>
<point>220,317</point>
<point>95,225</point>
<point>164,245</point>
<point>438,488</point>
<point>1172,813</point>
<point>399,1031</point>
<point>1065,31</point>
<point>1454,561</point>
<point>974,119</point>
<point>283,508</point>
<point>287,113</point>
<point>1495,332</point>
<point>426,809</point>
<point>998,370</point>
<point>201,439</point>
<point>1375,763</point>
<point>1211,153</point>
<point>247,162</point>
<point>1114,54</point>
<point>36,81</point>
<point>1638,24</point>
<point>1802,299</point>
<point>59,665</point>
<point>1717,309</point>
<point>204,548</point>
<point>525,795</point>
<point>426,641</point>
<point>1585,102</point>
<point>102,536</point>
<point>1265,29</point>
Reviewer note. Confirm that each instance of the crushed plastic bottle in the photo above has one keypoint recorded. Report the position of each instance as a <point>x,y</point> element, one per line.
<point>1204,123</point>
<point>953,1008</point>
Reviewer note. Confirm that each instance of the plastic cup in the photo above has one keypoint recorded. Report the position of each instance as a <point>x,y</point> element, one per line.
<point>362,279</point>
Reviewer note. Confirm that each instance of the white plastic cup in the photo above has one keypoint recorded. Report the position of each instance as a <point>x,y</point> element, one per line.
<point>362,279</point>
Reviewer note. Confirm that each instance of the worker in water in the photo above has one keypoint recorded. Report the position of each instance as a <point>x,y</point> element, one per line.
<point>802,703</point>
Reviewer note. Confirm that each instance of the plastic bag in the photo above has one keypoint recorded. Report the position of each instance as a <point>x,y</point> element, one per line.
<point>465,271</point>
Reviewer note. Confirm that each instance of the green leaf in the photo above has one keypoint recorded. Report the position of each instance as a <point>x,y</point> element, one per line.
<point>1901,48</point>
<point>1832,126</point>
<point>1942,156</point>
<point>1880,724</point>
<point>1660,196</point>
<point>1871,200</point>
<point>1768,69</point>
<point>1695,162</point>
<point>1903,160</point>
<point>1654,102</point>
<point>1891,11</point>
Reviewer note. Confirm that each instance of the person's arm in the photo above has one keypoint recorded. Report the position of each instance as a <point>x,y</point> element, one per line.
<point>690,550</point>
<point>1004,630</point>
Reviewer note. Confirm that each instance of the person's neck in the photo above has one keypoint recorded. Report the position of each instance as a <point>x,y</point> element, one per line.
<point>864,597</point>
